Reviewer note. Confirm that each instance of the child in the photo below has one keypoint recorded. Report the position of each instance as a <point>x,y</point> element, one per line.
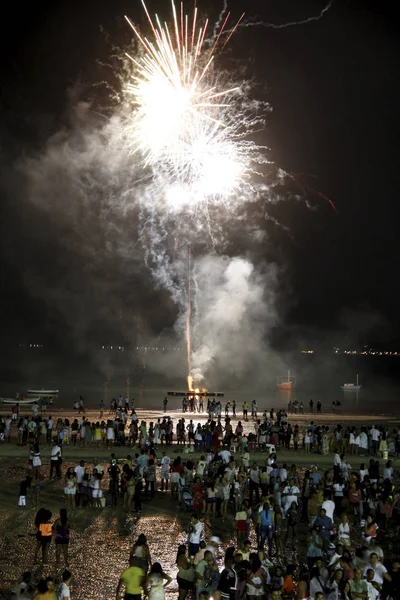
<point>23,490</point>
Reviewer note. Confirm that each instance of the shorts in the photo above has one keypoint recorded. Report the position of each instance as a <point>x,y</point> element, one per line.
<point>165,475</point>
<point>211,500</point>
<point>22,501</point>
<point>193,549</point>
<point>97,494</point>
<point>45,539</point>
<point>185,584</point>
<point>175,477</point>
<point>132,596</point>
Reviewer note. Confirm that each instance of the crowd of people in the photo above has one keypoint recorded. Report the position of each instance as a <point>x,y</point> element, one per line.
<point>300,533</point>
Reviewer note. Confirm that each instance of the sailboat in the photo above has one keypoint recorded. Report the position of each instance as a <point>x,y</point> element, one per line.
<point>285,383</point>
<point>351,387</point>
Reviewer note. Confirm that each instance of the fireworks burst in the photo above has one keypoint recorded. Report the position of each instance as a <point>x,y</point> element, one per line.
<point>188,124</point>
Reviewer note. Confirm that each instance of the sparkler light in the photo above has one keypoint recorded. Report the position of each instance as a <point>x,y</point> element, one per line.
<point>189,124</point>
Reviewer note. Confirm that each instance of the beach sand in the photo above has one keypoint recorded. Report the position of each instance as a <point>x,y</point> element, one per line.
<point>101,538</point>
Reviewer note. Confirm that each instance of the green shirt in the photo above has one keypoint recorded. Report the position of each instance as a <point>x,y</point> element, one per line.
<point>133,579</point>
<point>360,588</point>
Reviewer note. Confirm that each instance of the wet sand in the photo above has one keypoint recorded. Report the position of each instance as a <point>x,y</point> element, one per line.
<point>101,538</point>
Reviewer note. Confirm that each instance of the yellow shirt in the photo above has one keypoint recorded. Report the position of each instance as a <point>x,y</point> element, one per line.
<point>133,578</point>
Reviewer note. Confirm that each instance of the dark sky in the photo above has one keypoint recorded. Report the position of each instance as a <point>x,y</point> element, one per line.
<point>333,86</point>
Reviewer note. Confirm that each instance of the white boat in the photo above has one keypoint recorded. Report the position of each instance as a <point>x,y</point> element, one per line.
<point>31,400</point>
<point>351,387</point>
<point>42,392</point>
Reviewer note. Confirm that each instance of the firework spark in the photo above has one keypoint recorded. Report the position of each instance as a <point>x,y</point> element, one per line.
<point>188,124</point>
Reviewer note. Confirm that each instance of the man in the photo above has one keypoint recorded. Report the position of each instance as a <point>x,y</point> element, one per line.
<point>133,579</point>
<point>311,404</point>
<point>379,570</point>
<point>358,586</point>
<point>291,494</point>
<point>329,505</point>
<point>55,460</point>
<point>63,591</point>
<point>315,476</point>
<point>375,435</point>
<point>165,403</point>
<point>319,407</point>
<point>165,464</point>
<point>266,528</point>
<point>225,455</point>
<point>374,589</point>
<point>245,409</point>
<point>324,526</point>
<point>201,553</point>
<point>195,532</point>
<point>228,580</point>
<point>201,567</point>
<point>80,471</point>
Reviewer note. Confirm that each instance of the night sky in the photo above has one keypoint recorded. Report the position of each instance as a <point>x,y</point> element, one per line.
<point>333,86</point>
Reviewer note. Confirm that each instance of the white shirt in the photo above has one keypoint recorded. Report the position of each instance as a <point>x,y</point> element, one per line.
<point>373,593</point>
<point>165,462</point>
<point>225,455</point>
<point>329,506</point>
<point>388,473</point>
<point>54,451</point>
<point>79,472</point>
<point>379,571</point>
<point>292,492</point>
<point>375,435</point>
<point>195,534</point>
<point>50,424</point>
<point>63,591</point>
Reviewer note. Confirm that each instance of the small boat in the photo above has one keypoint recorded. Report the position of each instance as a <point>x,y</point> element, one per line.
<point>285,384</point>
<point>43,392</point>
<point>32,400</point>
<point>351,387</point>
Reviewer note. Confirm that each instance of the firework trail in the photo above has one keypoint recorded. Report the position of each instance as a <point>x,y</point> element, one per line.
<point>305,21</point>
<point>188,326</point>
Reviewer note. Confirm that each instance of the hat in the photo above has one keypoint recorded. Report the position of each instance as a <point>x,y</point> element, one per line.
<point>215,539</point>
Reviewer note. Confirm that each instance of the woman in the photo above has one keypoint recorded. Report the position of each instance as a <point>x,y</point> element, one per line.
<point>256,578</point>
<point>293,519</point>
<point>278,529</point>
<point>154,585</point>
<point>344,531</point>
<point>36,461</point>
<point>345,590</point>
<point>129,492</point>
<point>370,529</point>
<point>97,435</point>
<point>61,535</point>
<point>226,492</point>
<point>186,573</point>
<point>314,548</point>
<point>110,433</point>
<point>198,494</point>
<point>333,585</point>
<point>70,489</point>
<point>211,498</point>
<point>289,586</point>
<point>44,533</point>
<point>97,493</point>
<point>176,469</point>
<point>141,551</point>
